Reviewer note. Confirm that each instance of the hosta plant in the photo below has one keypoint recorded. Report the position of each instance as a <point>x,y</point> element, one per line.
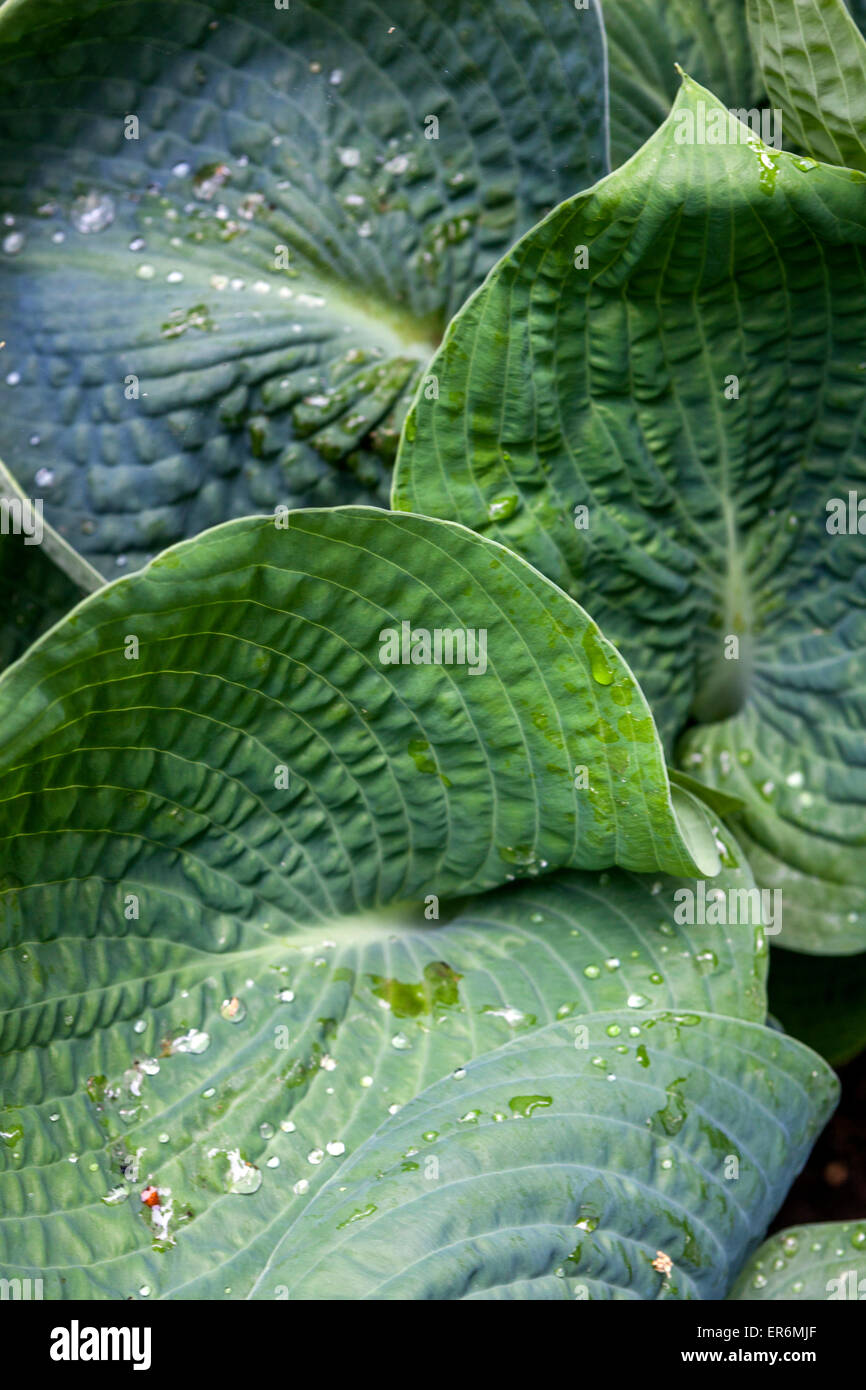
<point>387,896</point>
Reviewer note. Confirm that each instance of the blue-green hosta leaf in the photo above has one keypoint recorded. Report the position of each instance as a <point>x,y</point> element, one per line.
<point>335,1029</point>
<point>645,41</point>
<point>227,309</point>
<point>620,942</point>
<point>655,396</point>
<point>222,820</point>
<point>641,1160</point>
<point>813,60</point>
<point>825,1260</point>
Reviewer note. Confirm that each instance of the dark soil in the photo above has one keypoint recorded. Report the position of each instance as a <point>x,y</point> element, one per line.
<point>832,1186</point>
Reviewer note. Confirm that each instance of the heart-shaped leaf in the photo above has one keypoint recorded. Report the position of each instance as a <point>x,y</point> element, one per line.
<point>657,396</point>
<point>332,1032</point>
<point>826,1260</point>
<point>646,39</point>
<point>813,60</point>
<point>618,1158</point>
<point>444,691</point>
<point>234,234</point>
<point>227,826</point>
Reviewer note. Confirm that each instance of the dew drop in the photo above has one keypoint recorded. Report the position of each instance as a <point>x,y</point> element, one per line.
<point>233,1010</point>
<point>242,1177</point>
<point>115,1196</point>
<point>501,508</point>
<point>195,1041</point>
<point>92,212</point>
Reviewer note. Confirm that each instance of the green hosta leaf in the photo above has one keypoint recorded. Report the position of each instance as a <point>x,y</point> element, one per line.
<point>645,41</point>
<point>826,1260</point>
<point>334,1030</point>
<point>617,939</point>
<point>227,311</point>
<point>822,1001</point>
<point>226,829</point>
<point>557,1170</point>
<point>813,60</point>
<point>721,801</point>
<point>588,417</point>
<point>271,642</point>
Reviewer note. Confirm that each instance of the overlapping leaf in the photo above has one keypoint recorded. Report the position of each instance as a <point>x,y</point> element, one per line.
<point>825,1260</point>
<point>234,233</point>
<point>639,1165</point>
<point>813,60</point>
<point>647,38</point>
<point>656,397</point>
<point>333,1032</point>
<point>223,818</point>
